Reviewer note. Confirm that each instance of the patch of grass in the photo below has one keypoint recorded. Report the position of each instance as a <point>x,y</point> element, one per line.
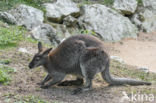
<point>8,4</point>
<point>104,2</point>
<point>23,99</point>
<point>5,77</point>
<point>140,2</point>
<point>5,61</point>
<point>9,37</point>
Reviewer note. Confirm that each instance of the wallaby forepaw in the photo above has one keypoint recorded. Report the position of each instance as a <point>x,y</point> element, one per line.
<point>40,83</point>
<point>44,86</point>
<point>76,91</point>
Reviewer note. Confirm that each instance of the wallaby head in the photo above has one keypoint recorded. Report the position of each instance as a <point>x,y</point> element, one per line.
<point>39,58</point>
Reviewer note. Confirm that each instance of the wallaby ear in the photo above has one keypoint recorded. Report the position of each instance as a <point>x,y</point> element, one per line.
<point>39,46</point>
<point>47,52</point>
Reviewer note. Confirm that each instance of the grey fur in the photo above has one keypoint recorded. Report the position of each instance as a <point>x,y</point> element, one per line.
<point>80,55</point>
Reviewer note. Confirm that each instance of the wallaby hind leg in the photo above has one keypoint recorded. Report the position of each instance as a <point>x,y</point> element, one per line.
<point>46,79</point>
<point>57,78</point>
<point>77,82</point>
<point>88,76</point>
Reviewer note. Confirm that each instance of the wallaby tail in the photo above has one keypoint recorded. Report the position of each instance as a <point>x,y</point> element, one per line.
<point>120,81</point>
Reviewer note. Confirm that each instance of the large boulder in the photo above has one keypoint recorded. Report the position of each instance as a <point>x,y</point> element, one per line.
<point>27,16</point>
<point>145,18</point>
<point>107,23</point>
<point>61,8</point>
<point>125,6</point>
<point>45,33</point>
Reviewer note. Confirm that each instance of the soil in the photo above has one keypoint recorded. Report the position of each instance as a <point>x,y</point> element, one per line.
<point>24,80</point>
<point>140,52</point>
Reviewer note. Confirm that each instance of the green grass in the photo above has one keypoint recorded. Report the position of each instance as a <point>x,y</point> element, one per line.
<point>5,76</point>
<point>23,99</point>
<point>31,99</point>
<point>8,4</point>
<point>9,37</point>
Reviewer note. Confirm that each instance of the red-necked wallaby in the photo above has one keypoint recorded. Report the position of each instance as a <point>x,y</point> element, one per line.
<point>80,55</point>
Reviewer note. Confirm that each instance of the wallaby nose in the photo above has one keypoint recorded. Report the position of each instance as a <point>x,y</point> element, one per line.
<point>30,66</point>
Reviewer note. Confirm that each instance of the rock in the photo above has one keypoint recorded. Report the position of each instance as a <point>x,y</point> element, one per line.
<point>144,69</point>
<point>125,6</point>
<point>70,21</point>
<point>145,18</point>
<point>45,33</point>
<point>27,16</point>
<point>149,4</point>
<point>10,19</point>
<point>116,58</point>
<point>107,23</point>
<point>24,50</point>
<point>60,9</point>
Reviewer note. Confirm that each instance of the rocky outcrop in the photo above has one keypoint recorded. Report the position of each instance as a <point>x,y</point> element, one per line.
<point>45,33</point>
<point>23,15</point>
<point>145,18</point>
<point>60,9</point>
<point>107,23</point>
<point>125,6</point>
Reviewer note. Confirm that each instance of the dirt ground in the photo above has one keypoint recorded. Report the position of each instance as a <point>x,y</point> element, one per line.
<point>24,80</point>
<point>140,52</point>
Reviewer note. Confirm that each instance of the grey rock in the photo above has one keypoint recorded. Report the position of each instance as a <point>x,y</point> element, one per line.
<point>149,4</point>
<point>70,21</point>
<point>7,17</point>
<point>116,58</point>
<point>107,23</point>
<point>27,16</point>
<point>125,6</point>
<point>23,50</point>
<point>144,69</point>
<point>145,18</point>
<point>45,33</point>
<point>61,8</point>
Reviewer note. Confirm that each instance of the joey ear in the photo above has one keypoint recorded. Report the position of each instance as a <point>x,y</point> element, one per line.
<point>47,52</point>
<point>39,46</point>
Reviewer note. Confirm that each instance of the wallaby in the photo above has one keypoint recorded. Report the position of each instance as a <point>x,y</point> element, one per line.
<point>79,55</point>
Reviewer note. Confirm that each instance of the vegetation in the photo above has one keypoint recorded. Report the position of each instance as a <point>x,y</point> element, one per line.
<point>5,76</point>
<point>24,99</point>
<point>8,4</point>
<point>10,36</point>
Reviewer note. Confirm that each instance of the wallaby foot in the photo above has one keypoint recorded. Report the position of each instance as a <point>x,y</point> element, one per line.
<point>77,82</point>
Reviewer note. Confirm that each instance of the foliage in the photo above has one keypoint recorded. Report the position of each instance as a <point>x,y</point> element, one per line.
<point>10,36</point>
<point>30,99</point>
<point>5,78</point>
<point>8,4</point>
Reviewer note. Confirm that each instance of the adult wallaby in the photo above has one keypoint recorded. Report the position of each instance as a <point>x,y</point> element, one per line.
<point>80,55</point>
